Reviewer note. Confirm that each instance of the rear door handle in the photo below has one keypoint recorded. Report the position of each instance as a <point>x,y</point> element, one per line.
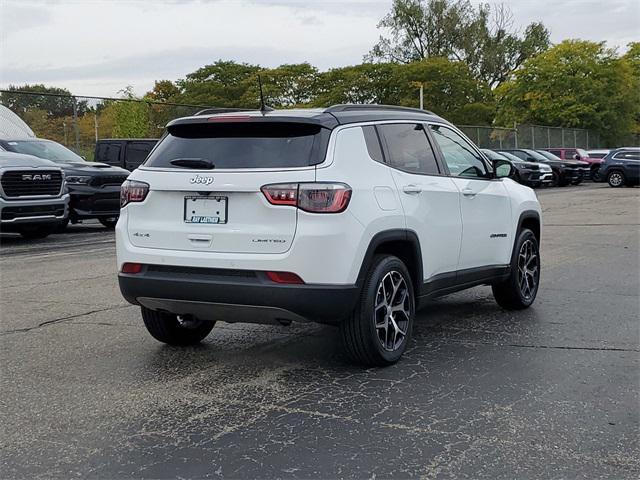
<point>412,189</point>
<point>467,192</point>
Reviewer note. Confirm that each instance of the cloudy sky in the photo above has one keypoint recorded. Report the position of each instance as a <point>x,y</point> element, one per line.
<point>97,47</point>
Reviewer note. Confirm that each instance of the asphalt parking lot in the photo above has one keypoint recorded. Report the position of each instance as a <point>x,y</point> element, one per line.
<point>549,392</point>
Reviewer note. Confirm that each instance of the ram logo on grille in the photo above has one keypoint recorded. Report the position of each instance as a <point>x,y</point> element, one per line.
<point>36,177</point>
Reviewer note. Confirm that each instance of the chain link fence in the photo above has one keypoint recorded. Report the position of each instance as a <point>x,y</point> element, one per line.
<point>78,122</point>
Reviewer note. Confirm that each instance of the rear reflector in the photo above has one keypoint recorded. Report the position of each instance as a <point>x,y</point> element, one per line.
<point>284,277</point>
<point>314,197</point>
<point>131,268</point>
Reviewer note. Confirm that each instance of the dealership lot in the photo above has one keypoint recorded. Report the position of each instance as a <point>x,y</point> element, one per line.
<point>552,391</point>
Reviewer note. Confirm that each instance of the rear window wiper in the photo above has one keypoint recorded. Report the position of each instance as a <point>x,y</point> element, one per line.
<point>193,163</point>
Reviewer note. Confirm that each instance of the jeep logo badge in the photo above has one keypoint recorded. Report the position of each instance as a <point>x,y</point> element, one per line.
<point>201,180</point>
<point>36,177</point>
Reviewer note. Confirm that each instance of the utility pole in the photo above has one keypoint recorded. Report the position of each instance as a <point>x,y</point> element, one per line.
<point>75,123</point>
<point>421,96</point>
<point>95,124</point>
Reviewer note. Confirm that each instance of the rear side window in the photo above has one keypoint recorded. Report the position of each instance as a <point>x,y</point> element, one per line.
<point>373,143</point>
<point>108,153</point>
<point>243,145</point>
<point>627,156</point>
<point>409,149</point>
<point>137,153</point>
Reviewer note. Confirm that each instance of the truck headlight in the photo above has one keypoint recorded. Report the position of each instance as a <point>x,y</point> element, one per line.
<point>78,180</point>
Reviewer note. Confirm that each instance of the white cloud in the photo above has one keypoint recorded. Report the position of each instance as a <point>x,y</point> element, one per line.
<point>96,47</point>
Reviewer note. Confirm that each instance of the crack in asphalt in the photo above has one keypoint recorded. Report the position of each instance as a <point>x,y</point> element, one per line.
<point>62,319</point>
<point>558,347</point>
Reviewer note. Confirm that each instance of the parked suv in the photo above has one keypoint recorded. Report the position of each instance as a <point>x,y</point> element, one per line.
<point>531,174</point>
<point>621,167</point>
<point>352,215</point>
<point>564,172</point>
<point>33,197</point>
<point>127,153</point>
<point>94,187</point>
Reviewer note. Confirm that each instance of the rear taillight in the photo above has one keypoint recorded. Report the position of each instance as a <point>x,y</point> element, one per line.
<point>133,191</point>
<point>311,197</point>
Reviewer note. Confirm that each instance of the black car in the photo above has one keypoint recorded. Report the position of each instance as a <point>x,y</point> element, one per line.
<point>94,187</point>
<point>530,174</point>
<point>584,167</point>
<point>564,172</point>
<point>126,153</point>
<point>621,167</point>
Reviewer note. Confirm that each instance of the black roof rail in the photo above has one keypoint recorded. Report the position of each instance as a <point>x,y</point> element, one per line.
<point>349,107</point>
<point>213,111</point>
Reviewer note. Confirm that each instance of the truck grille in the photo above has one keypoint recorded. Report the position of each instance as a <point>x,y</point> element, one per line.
<point>108,180</point>
<point>22,183</point>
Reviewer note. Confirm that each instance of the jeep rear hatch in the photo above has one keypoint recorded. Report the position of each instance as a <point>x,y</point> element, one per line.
<point>205,184</point>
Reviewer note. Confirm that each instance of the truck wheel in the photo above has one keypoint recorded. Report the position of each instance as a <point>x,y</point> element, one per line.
<point>555,179</point>
<point>616,179</point>
<point>34,233</point>
<point>595,174</point>
<point>520,289</point>
<point>379,329</point>
<point>170,329</point>
<point>109,222</point>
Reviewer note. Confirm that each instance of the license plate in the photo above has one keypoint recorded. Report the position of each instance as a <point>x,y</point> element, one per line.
<point>205,210</point>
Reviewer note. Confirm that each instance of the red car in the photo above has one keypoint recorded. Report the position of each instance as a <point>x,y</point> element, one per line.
<point>577,154</point>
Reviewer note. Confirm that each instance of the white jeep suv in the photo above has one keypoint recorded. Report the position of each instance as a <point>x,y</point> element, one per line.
<point>353,215</point>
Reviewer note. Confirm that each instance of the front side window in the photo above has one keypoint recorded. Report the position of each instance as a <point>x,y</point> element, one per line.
<point>461,158</point>
<point>409,148</point>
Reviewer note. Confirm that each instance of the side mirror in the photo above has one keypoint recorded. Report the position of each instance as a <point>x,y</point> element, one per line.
<point>576,156</point>
<point>503,168</point>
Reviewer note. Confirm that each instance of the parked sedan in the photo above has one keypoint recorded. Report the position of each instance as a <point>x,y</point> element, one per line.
<point>621,167</point>
<point>586,169</point>
<point>530,174</point>
<point>563,172</point>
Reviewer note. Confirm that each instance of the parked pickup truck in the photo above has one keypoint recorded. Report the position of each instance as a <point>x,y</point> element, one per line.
<point>128,153</point>
<point>34,199</point>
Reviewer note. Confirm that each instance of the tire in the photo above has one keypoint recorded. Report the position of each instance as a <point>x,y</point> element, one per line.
<point>616,179</point>
<point>555,179</point>
<point>62,226</point>
<point>35,233</point>
<point>516,292</point>
<point>108,222</point>
<point>166,328</point>
<point>595,174</point>
<point>377,336</point>
<point>577,182</point>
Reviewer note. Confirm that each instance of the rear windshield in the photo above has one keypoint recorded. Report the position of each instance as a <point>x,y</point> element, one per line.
<point>243,145</point>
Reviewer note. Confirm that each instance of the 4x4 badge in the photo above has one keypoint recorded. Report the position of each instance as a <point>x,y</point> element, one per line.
<point>201,180</point>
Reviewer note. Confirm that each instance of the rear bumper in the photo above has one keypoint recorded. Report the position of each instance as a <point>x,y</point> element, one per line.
<point>235,295</point>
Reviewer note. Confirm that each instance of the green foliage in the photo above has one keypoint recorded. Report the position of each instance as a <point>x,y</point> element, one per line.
<point>483,38</point>
<point>575,84</point>
<point>131,118</point>
<point>52,106</point>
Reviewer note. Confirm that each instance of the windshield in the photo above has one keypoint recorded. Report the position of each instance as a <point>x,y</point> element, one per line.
<point>43,149</point>
<point>537,157</point>
<point>549,155</point>
<point>510,156</point>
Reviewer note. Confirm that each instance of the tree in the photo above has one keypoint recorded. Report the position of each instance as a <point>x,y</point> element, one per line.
<point>163,91</point>
<point>57,102</point>
<point>365,83</point>
<point>131,117</point>
<point>221,84</point>
<point>577,84</point>
<point>483,38</point>
<point>287,86</point>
